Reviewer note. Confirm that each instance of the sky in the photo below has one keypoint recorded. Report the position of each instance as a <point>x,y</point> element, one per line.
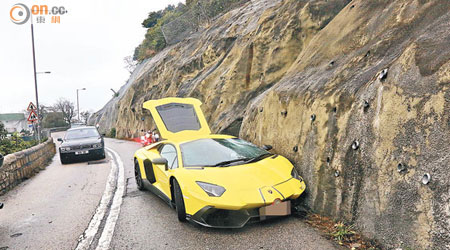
<point>85,50</point>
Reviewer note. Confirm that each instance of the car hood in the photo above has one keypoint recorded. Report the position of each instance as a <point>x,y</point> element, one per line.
<point>82,141</point>
<point>247,186</point>
<point>267,172</point>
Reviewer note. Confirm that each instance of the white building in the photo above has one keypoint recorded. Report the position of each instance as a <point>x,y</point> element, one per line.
<point>14,122</point>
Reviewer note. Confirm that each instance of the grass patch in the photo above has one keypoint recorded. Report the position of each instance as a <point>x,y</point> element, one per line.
<point>344,234</point>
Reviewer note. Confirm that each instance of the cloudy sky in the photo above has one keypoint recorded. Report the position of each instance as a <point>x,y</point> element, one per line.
<point>85,50</point>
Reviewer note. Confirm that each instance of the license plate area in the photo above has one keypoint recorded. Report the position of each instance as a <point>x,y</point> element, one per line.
<point>82,152</point>
<point>276,209</point>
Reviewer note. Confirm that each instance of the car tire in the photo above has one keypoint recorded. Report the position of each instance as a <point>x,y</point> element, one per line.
<point>179,202</point>
<point>138,177</point>
<point>103,155</point>
<point>64,160</point>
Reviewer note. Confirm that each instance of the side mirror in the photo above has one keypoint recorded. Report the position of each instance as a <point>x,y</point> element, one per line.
<point>161,161</point>
<point>60,139</point>
<point>267,147</point>
<point>1,160</point>
<point>103,135</point>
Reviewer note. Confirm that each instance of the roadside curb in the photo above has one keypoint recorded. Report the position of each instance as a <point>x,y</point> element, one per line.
<point>24,164</point>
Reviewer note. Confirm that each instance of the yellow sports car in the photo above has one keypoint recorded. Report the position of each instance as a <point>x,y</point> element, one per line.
<point>213,180</point>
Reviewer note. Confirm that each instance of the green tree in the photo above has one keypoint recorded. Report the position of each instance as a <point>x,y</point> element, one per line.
<point>189,3</point>
<point>152,19</point>
<point>85,116</point>
<point>3,131</point>
<point>14,144</point>
<point>66,107</point>
<point>204,10</point>
<point>112,133</point>
<point>154,38</point>
<point>54,120</point>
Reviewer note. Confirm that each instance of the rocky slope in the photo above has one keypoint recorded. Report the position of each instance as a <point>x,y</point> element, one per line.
<point>306,77</point>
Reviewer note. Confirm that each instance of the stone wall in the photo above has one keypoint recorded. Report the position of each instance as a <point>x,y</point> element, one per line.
<point>24,164</point>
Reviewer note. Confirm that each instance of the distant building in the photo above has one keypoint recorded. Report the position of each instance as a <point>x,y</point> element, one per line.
<point>14,122</point>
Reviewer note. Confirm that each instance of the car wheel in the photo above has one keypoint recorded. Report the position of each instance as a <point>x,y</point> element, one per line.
<point>103,155</point>
<point>137,176</point>
<point>179,202</point>
<point>64,160</point>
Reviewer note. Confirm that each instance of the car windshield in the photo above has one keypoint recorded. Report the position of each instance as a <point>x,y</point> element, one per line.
<point>219,152</point>
<point>81,133</point>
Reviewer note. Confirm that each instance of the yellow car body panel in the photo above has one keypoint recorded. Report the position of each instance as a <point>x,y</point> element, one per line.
<point>247,186</point>
<point>165,132</point>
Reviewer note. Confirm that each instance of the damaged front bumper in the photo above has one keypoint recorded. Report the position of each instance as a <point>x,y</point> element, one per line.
<point>221,218</point>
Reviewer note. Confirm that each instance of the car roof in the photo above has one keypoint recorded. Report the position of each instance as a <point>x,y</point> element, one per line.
<point>84,127</point>
<point>184,140</point>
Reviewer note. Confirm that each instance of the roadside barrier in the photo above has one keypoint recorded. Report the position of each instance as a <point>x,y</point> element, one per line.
<point>22,165</point>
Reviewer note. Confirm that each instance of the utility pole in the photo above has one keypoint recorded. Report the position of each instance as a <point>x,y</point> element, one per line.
<point>35,85</point>
<point>78,104</point>
<point>38,111</point>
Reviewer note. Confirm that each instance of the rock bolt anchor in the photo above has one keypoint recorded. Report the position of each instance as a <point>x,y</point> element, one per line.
<point>426,178</point>
<point>383,74</point>
<point>401,167</point>
<point>366,105</point>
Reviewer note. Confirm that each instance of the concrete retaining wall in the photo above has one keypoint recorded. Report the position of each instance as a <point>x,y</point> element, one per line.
<point>24,164</point>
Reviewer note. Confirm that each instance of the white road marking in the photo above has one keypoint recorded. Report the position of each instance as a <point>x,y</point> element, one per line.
<point>108,231</point>
<point>85,240</point>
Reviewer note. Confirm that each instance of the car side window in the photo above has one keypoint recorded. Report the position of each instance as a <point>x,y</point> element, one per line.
<point>170,153</point>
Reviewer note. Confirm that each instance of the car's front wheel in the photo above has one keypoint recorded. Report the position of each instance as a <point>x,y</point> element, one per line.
<point>179,202</point>
<point>137,176</point>
<point>102,155</point>
<point>64,160</point>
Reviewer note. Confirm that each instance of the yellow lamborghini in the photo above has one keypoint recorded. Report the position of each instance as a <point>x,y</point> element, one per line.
<point>213,180</point>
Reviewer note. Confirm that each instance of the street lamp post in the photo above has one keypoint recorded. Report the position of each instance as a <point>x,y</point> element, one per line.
<point>78,103</point>
<point>38,110</point>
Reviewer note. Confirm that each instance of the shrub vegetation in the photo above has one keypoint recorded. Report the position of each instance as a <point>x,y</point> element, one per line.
<point>154,40</point>
<point>14,143</point>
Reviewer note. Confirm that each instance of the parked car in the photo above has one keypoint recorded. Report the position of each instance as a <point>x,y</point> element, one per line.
<point>213,180</point>
<point>77,125</point>
<point>81,143</point>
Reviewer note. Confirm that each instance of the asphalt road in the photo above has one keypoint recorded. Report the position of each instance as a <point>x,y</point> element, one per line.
<point>60,204</point>
<point>51,210</point>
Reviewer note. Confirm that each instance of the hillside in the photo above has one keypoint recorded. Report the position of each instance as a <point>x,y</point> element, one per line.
<point>354,93</point>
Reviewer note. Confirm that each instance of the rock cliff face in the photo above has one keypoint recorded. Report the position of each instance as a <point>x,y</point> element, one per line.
<point>355,94</point>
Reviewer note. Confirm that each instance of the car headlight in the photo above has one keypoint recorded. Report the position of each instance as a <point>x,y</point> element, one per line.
<point>211,189</point>
<point>63,149</point>
<point>97,145</point>
<point>295,174</point>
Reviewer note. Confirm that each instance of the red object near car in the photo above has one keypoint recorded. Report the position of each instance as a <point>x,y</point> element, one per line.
<point>146,140</point>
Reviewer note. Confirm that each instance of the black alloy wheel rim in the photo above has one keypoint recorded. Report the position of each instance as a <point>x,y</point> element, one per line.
<point>138,177</point>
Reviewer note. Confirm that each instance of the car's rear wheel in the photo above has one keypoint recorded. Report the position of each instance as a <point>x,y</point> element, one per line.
<point>138,177</point>
<point>179,202</point>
